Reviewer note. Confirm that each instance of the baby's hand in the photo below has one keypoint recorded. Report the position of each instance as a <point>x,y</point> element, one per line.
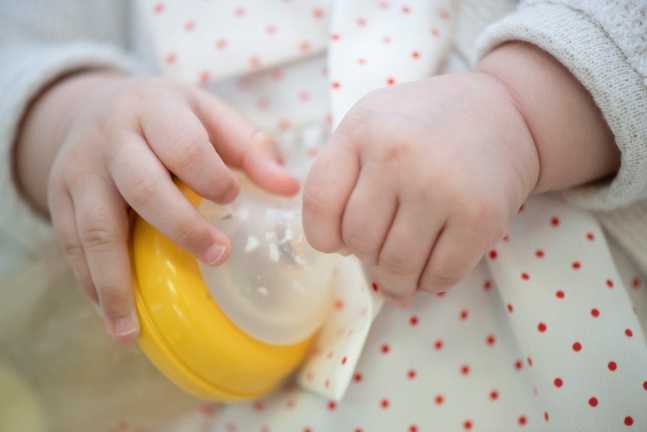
<point>421,179</point>
<point>124,139</point>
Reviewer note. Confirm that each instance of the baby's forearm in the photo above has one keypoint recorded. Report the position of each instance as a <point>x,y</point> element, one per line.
<point>574,143</point>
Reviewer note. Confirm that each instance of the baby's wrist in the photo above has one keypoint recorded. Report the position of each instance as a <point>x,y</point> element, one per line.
<point>573,142</point>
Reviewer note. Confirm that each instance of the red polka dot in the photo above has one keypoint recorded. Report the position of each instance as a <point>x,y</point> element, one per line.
<point>635,283</point>
<point>385,349</point>
<point>332,405</point>
<point>595,313</point>
<point>413,428</point>
<point>494,395</point>
<point>438,400</point>
<point>559,294</point>
<point>318,13</point>
<point>361,22</point>
<point>593,402</point>
<point>435,32</point>
<point>384,5</point>
<point>304,46</point>
<point>554,221</point>
<point>525,276</point>
<point>170,59</point>
<point>577,346</point>
<point>629,421</point>
<point>159,7</point>
<point>467,425</point>
<point>357,377</point>
<point>412,374</point>
<point>510,308</point>
<point>390,81</point>
<point>522,421</point>
<point>335,37</point>
<point>413,320</point>
<point>464,314</point>
<point>541,327</point>
<point>221,44</point>
<point>406,9</point>
<point>438,345</point>
<point>337,85</point>
<point>239,12</point>
<point>415,55</point>
<point>612,366</point>
<point>374,286</point>
<point>558,382</point>
<point>645,385</point>
<point>518,365</point>
<point>590,236</point>
<point>529,361</point>
<point>343,361</point>
<point>493,254</point>
<point>546,415</point>
<point>465,369</point>
<point>189,26</point>
<point>207,409</point>
<point>629,333</point>
<point>490,340</point>
<point>271,29</point>
<point>576,265</point>
<point>539,253</point>
<point>487,285</point>
<point>384,403</point>
<point>609,283</point>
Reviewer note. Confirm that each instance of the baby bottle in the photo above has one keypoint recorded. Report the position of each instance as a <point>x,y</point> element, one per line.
<point>232,332</point>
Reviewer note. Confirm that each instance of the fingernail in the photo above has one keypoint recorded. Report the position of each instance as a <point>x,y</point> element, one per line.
<point>214,253</point>
<point>125,326</point>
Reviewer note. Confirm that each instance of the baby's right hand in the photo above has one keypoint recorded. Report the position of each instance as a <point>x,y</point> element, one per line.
<point>120,142</point>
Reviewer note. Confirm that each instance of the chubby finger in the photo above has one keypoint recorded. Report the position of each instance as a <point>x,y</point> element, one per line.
<point>369,213</point>
<point>102,223</point>
<point>241,145</point>
<point>406,250</point>
<point>65,225</point>
<point>456,252</point>
<point>327,189</point>
<point>180,141</point>
<point>147,187</point>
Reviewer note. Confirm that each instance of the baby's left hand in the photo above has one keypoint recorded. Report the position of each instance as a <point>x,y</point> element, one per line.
<point>421,179</point>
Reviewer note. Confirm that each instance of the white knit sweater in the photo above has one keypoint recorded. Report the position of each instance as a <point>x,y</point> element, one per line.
<point>604,44</point>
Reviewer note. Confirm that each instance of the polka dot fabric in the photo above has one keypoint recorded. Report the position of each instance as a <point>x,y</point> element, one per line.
<point>544,334</point>
<point>540,336</point>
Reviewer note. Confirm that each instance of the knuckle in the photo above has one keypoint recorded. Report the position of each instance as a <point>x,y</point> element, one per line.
<point>362,244</point>
<point>142,191</point>
<point>188,233</point>
<point>73,250</point>
<point>440,277</point>
<point>98,238</point>
<point>188,150</point>
<point>397,264</point>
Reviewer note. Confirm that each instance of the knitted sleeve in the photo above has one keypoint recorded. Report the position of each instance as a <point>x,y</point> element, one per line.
<point>604,45</point>
<point>41,41</point>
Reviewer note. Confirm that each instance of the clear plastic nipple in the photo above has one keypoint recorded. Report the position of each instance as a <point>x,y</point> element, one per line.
<point>274,286</point>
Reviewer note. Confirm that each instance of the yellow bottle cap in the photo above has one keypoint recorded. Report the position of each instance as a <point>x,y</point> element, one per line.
<point>186,335</point>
